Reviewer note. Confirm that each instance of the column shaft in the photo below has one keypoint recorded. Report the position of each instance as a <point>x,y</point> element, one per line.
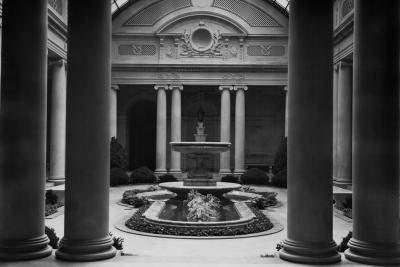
<point>86,225</point>
<point>161,139</point>
<point>23,131</point>
<point>225,136</point>
<point>335,120</point>
<point>344,124</point>
<point>176,127</point>
<point>286,109</point>
<point>376,134</point>
<point>309,230</point>
<point>240,129</point>
<point>58,122</point>
<point>113,110</point>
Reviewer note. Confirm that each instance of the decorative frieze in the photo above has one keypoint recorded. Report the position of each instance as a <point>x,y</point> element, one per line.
<point>347,7</point>
<point>137,50</point>
<point>56,5</point>
<point>265,50</point>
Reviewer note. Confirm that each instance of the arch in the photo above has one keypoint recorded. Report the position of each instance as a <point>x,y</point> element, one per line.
<point>141,133</point>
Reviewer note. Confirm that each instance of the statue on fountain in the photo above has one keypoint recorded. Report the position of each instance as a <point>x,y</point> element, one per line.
<point>200,135</point>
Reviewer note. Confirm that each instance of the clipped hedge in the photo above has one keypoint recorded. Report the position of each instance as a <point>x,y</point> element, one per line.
<point>280,179</point>
<point>230,179</point>
<point>167,178</point>
<point>118,176</point>
<point>254,176</point>
<point>142,175</point>
<point>118,157</point>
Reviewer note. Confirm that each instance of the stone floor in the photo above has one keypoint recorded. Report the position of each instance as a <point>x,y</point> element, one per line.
<point>155,251</point>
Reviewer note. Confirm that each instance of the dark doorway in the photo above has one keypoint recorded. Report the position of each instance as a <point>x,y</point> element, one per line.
<point>142,135</point>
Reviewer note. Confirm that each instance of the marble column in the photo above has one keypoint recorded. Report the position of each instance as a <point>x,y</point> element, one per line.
<point>309,216</point>
<point>344,124</point>
<point>58,121</point>
<point>225,136</point>
<point>240,127</point>
<point>335,121</point>
<point>176,127</point>
<point>161,139</point>
<point>286,109</point>
<point>86,223</point>
<point>113,110</point>
<point>23,131</point>
<point>376,134</point>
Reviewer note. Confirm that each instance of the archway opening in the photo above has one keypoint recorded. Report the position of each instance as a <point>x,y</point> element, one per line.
<point>142,135</point>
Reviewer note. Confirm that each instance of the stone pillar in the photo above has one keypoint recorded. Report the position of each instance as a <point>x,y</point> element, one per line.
<point>161,139</point>
<point>225,136</point>
<point>286,109</point>
<point>344,124</point>
<point>113,110</point>
<point>309,222</point>
<point>376,134</point>
<point>23,131</point>
<point>86,224</point>
<point>58,121</point>
<point>176,127</point>
<point>335,121</point>
<point>240,129</point>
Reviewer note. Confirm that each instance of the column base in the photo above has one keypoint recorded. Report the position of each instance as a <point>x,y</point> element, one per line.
<point>238,172</point>
<point>223,172</point>
<point>175,171</point>
<point>57,180</point>
<point>86,250</point>
<point>309,253</point>
<point>159,172</point>
<point>377,254</point>
<point>342,182</point>
<point>30,249</point>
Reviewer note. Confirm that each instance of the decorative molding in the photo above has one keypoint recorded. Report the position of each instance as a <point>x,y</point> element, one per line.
<point>190,45</point>
<point>347,7</point>
<point>57,5</point>
<point>265,50</point>
<point>161,86</point>
<point>225,87</point>
<point>115,87</point>
<point>137,50</point>
<point>176,86</point>
<point>240,87</point>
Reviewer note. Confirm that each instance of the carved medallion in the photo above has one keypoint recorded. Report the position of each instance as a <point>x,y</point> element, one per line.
<point>201,42</point>
<point>202,3</point>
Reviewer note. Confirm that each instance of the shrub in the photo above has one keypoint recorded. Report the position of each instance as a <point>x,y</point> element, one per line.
<point>230,179</point>
<point>51,197</point>
<point>51,234</point>
<point>167,178</point>
<point>280,161</point>
<point>280,179</point>
<point>135,201</point>
<point>118,158</point>
<point>142,175</point>
<point>343,245</point>
<point>118,242</point>
<point>118,176</point>
<point>52,208</point>
<point>268,199</point>
<point>254,176</point>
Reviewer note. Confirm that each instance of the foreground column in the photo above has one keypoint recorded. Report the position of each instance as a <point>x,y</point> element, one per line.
<point>240,129</point>
<point>344,124</point>
<point>376,134</point>
<point>176,127</point>
<point>161,139</point>
<point>58,121</point>
<point>335,120</point>
<point>86,232</point>
<point>225,159</point>
<point>23,131</point>
<point>286,109</point>
<point>309,230</point>
<point>113,110</point>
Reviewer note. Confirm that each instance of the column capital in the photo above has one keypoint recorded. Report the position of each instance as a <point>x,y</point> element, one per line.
<point>336,67</point>
<point>286,88</point>
<point>225,87</point>
<point>59,62</point>
<point>176,86</point>
<point>240,87</point>
<point>344,64</point>
<point>161,86</point>
<point>115,87</point>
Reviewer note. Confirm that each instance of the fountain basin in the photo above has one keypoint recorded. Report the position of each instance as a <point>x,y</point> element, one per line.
<point>200,147</point>
<point>181,189</point>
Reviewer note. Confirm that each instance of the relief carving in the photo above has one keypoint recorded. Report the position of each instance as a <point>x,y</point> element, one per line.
<point>201,43</point>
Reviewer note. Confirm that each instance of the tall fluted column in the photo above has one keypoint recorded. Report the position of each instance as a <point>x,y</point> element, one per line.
<point>309,226</point>
<point>176,126</point>
<point>225,160</point>
<point>86,224</point>
<point>335,121</point>
<point>23,131</point>
<point>161,139</point>
<point>376,134</point>
<point>344,124</point>
<point>58,121</point>
<point>286,109</point>
<point>113,110</point>
<point>240,117</point>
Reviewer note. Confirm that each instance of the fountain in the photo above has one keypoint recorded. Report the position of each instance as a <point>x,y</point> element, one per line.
<point>199,178</point>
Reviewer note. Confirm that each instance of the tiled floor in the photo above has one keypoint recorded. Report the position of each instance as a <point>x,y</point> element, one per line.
<point>154,251</point>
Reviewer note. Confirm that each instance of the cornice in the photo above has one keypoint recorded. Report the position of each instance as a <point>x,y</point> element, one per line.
<point>344,29</point>
<point>57,25</point>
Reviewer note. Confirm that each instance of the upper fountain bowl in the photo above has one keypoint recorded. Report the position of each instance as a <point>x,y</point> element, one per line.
<point>200,147</point>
